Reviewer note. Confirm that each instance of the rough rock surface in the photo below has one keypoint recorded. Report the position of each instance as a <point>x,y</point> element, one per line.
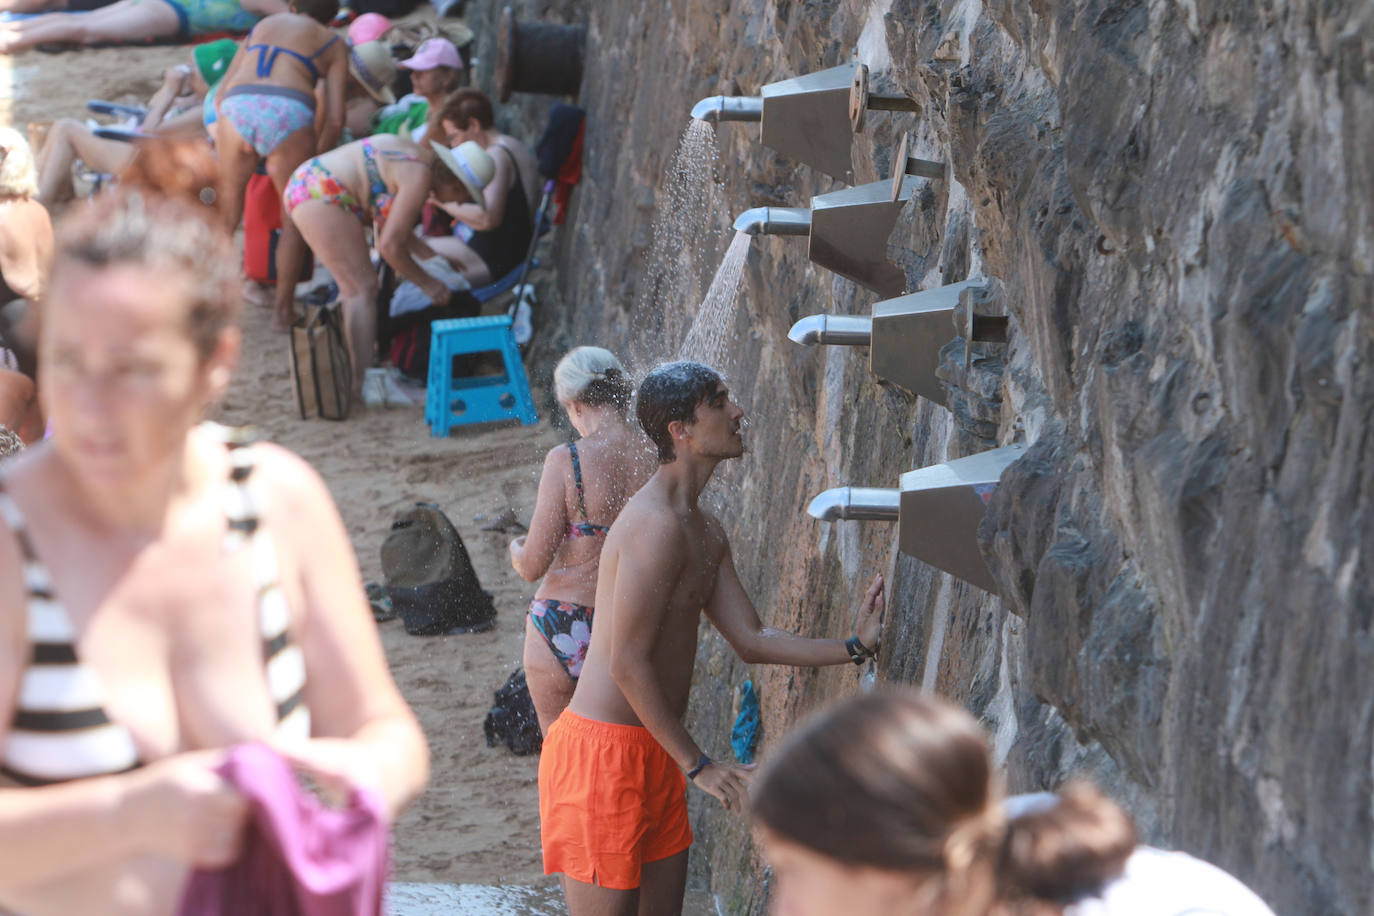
<point>1178,200</point>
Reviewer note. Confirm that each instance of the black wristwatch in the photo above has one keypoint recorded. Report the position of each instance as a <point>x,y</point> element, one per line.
<point>858,652</point>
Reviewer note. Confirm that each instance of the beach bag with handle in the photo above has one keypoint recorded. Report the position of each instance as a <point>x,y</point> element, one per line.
<point>321,372</point>
<point>429,576</point>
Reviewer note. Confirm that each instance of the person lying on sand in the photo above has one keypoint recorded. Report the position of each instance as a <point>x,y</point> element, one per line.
<point>613,764</point>
<point>266,108</point>
<point>33,7</point>
<point>133,21</point>
<point>174,110</point>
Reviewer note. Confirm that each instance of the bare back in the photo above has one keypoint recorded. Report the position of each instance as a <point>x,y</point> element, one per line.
<point>392,155</point>
<point>649,538</point>
<point>613,465</point>
<point>268,56</point>
<point>527,165</point>
<point>26,244</point>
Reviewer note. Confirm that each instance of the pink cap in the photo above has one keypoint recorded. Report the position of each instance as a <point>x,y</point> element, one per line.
<point>367,27</point>
<point>434,52</point>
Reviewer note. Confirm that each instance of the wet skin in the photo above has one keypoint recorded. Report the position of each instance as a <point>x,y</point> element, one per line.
<point>665,561</point>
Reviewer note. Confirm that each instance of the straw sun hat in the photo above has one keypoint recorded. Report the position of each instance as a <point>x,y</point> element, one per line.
<point>372,66</point>
<point>473,166</point>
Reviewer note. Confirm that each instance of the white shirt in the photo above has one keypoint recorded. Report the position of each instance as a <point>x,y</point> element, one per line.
<point>1159,883</point>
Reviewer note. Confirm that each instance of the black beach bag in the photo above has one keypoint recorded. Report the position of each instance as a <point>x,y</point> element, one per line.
<point>512,721</point>
<point>429,576</point>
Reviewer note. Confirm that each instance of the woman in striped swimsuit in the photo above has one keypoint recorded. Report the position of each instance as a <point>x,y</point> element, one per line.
<point>591,478</point>
<point>166,590</point>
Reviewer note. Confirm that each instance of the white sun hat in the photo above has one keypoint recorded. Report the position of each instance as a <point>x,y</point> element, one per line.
<point>472,164</point>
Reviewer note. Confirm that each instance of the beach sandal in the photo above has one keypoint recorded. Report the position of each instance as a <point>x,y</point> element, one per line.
<point>380,602</point>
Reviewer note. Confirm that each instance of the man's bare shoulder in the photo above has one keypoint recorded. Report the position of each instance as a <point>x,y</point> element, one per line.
<point>647,522</point>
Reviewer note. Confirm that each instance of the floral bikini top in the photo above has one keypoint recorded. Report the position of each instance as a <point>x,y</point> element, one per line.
<point>583,528</point>
<point>60,730</point>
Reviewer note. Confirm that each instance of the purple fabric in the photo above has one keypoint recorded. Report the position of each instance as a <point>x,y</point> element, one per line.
<point>300,857</point>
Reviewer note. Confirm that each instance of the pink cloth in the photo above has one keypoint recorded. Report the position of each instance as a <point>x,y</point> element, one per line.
<point>300,857</point>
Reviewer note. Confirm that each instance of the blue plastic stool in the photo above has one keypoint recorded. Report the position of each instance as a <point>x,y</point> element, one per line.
<point>453,401</point>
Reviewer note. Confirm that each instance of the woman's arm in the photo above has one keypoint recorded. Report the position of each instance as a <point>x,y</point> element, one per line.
<point>394,241</point>
<point>365,732</point>
<point>173,86</point>
<point>533,554</point>
<point>331,129</point>
<point>188,123</point>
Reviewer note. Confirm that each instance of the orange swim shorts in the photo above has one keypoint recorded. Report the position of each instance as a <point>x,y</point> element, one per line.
<point>610,800</point>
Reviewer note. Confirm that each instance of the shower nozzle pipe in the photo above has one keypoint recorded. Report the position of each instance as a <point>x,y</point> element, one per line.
<point>716,108</point>
<point>775,221</point>
<point>879,504</point>
<point>838,330</point>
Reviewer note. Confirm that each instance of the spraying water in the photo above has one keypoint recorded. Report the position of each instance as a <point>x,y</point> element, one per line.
<point>682,230</point>
<point>708,341</point>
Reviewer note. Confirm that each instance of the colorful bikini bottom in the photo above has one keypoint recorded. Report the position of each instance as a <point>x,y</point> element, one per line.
<point>312,181</point>
<point>266,115</point>
<point>567,628</point>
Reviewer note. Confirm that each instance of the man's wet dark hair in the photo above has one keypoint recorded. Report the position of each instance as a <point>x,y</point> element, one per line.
<point>671,392</point>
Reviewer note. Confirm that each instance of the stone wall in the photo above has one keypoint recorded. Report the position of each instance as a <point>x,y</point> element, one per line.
<point>1178,200</point>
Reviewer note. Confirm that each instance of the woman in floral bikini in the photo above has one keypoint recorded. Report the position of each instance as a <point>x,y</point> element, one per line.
<point>584,486</point>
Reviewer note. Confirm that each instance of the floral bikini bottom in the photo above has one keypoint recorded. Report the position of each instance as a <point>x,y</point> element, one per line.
<point>567,628</point>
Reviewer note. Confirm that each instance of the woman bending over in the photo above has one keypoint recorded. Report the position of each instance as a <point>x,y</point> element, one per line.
<point>584,486</point>
<point>267,112</point>
<point>335,197</point>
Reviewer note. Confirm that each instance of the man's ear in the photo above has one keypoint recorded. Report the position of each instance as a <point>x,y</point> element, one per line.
<point>679,430</point>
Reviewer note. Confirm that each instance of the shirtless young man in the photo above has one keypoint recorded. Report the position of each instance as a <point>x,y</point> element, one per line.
<point>611,778</point>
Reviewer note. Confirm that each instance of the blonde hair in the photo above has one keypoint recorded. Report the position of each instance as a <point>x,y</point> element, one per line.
<point>592,376</point>
<point>18,177</point>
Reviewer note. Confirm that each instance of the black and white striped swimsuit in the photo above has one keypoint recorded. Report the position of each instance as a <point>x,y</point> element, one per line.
<point>60,730</point>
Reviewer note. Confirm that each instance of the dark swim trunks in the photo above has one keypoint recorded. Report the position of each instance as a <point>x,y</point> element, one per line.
<point>567,628</point>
